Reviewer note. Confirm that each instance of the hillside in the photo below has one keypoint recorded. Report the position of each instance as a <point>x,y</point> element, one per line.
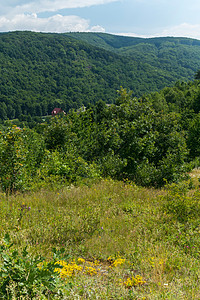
<point>115,241</point>
<point>117,43</point>
<point>178,56</point>
<point>41,71</point>
<point>102,203</point>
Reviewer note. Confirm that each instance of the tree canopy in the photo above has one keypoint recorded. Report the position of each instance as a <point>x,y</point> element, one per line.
<point>41,71</point>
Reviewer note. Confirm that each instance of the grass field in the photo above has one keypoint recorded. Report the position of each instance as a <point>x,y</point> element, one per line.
<point>116,240</point>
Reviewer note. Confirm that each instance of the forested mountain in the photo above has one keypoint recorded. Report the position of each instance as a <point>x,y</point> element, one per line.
<point>178,57</point>
<point>41,71</point>
<point>118,43</point>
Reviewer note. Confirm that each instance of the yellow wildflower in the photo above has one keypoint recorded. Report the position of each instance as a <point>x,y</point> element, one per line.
<point>68,270</point>
<point>118,261</point>
<point>81,260</point>
<point>90,271</point>
<point>134,281</point>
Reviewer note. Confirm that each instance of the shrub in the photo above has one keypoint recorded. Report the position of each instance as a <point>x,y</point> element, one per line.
<point>180,204</point>
<point>23,275</point>
<point>67,167</point>
<point>21,151</point>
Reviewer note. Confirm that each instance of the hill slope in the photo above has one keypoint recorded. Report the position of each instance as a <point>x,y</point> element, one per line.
<point>40,71</point>
<point>116,42</point>
<point>179,56</point>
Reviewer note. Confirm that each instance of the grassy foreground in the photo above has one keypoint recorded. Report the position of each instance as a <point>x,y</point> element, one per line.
<point>119,241</point>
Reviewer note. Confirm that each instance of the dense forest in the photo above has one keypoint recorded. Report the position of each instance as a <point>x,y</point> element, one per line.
<point>149,140</point>
<point>41,71</point>
<point>173,58</point>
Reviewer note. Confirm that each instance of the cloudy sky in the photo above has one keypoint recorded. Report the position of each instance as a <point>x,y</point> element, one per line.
<point>144,18</point>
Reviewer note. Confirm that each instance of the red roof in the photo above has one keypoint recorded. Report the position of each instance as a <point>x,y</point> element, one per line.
<point>56,110</point>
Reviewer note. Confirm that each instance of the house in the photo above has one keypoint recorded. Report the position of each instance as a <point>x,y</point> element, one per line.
<point>56,111</point>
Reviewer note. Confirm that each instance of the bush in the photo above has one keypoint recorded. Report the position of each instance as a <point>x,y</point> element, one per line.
<point>21,151</point>
<point>180,204</point>
<point>23,275</point>
<point>67,167</point>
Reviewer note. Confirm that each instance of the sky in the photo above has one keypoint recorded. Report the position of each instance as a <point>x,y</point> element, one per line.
<point>141,18</point>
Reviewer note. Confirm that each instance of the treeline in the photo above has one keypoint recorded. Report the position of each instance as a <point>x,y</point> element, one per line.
<point>150,140</point>
<point>41,71</point>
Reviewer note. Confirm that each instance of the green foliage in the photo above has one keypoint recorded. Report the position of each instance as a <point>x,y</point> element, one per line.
<point>70,70</point>
<point>193,140</point>
<point>132,139</point>
<point>21,151</point>
<point>57,133</point>
<point>182,99</point>
<point>182,205</point>
<point>153,144</point>
<point>197,75</point>
<point>112,165</point>
<point>115,229</point>
<point>23,275</point>
<point>66,167</point>
<point>169,58</point>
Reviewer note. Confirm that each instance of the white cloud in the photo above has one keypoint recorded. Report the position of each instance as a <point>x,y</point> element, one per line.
<point>182,30</point>
<point>132,34</point>
<point>22,15</point>
<point>39,6</point>
<point>56,23</point>
<point>97,28</point>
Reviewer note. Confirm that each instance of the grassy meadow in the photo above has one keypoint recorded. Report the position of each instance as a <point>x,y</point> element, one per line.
<point>111,239</point>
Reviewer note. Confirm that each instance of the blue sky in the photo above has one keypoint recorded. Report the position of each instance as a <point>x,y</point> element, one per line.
<point>145,18</point>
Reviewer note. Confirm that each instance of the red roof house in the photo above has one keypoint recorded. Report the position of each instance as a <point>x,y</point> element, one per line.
<point>56,111</point>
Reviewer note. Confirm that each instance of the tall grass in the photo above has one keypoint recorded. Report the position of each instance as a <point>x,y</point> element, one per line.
<point>106,222</point>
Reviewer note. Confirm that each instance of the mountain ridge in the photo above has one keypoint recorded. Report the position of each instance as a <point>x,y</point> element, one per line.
<point>40,71</point>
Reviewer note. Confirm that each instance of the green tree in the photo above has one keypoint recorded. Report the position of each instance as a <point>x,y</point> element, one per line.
<point>193,139</point>
<point>21,151</point>
<point>197,75</point>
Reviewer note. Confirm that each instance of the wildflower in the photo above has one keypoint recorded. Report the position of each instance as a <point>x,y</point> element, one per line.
<point>68,269</point>
<point>116,262</point>
<point>96,263</point>
<point>134,281</point>
<point>161,262</point>
<point>81,260</point>
<point>128,283</point>
<point>90,271</point>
